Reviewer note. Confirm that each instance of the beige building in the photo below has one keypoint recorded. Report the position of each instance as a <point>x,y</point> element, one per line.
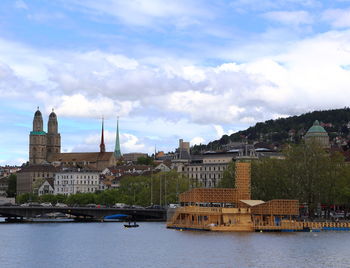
<point>207,170</point>
<point>317,134</point>
<point>46,147</point>
<point>27,177</point>
<point>96,160</point>
<point>41,144</point>
<point>132,157</point>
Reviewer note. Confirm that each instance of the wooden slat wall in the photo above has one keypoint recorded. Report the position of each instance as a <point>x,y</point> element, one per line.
<point>209,195</point>
<point>277,207</point>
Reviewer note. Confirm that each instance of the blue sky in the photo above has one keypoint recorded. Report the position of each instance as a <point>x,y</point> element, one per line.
<point>170,69</point>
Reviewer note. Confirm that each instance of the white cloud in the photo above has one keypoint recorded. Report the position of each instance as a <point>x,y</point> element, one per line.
<point>128,143</point>
<point>293,18</point>
<point>197,141</point>
<point>131,143</point>
<point>146,13</point>
<point>219,131</point>
<point>338,18</point>
<point>258,5</point>
<point>20,4</point>
<point>43,17</point>
<point>171,99</point>
<point>78,105</point>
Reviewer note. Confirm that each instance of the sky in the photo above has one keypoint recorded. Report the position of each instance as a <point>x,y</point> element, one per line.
<point>187,69</point>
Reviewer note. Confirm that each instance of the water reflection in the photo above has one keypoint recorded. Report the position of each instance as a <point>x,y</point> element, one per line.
<point>152,245</point>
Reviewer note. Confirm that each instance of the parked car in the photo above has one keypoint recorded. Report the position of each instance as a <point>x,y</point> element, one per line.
<point>61,205</point>
<point>46,204</point>
<point>155,207</point>
<point>90,205</point>
<point>120,205</point>
<point>137,207</point>
<point>31,204</point>
<point>6,204</point>
<point>174,205</point>
<point>35,204</point>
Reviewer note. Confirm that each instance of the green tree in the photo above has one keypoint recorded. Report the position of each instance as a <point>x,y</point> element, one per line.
<point>25,198</point>
<point>145,160</point>
<point>228,178</point>
<point>12,185</point>
<point>308,173</point>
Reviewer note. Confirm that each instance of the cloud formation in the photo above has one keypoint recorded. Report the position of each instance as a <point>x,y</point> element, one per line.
<point>171,69</point>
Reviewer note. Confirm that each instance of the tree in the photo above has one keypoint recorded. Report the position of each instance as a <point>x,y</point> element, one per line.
<point>228,178</point>
<point>308,173</point>
<point>145,160</point>
<point>12,185</point>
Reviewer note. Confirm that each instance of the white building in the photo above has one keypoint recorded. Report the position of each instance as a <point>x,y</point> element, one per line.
<point>47,187</point>
<point>72,181</point>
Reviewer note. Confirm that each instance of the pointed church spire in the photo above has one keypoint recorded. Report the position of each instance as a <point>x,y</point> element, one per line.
<point>102,145</point>
<point>117,152</point>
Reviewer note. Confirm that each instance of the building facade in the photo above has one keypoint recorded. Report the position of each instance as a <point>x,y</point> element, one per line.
<point>317,134</point>
<point>3,186</point>
<point>75,180</point>
<point>46,147</point>
<point>29,176</point>
<point>47,187</point>
<point>41,144</point>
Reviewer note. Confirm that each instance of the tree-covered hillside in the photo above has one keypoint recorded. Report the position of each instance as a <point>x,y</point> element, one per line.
<point>283,130</point>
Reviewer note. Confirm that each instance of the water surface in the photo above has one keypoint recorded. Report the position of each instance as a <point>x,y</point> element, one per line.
<point>152,245</point>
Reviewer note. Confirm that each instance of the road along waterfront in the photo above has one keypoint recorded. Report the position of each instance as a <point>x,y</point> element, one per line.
<point>152,245</point>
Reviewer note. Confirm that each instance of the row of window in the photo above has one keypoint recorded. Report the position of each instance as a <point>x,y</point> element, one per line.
<point>78,189</point>
<point>78,177</point>
<point>204,176</point>
<point>210,168</point>
<point>72,182</point>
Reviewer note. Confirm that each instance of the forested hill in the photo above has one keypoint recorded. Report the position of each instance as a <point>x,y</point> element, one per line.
<point>283,130</point>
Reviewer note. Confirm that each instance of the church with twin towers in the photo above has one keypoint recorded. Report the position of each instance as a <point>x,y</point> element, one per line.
<point>45,147</point>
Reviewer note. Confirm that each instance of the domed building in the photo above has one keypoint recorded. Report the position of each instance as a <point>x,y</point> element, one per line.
<point>317,133</point>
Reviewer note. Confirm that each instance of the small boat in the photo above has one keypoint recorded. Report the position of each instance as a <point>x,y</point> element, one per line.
<point>131,225</point>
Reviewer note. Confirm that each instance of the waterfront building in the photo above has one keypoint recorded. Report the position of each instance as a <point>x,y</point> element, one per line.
<point>47,187</point>
<point>37,141</point>
<point>231,209</point>
<point>75,180</point>
<point>29,175</point>
<point>163,167</point>
<point>3,186</point>
<point>132,157</point>
<point>6,171</point>
<point>318,134</point>
<point>46,147</point>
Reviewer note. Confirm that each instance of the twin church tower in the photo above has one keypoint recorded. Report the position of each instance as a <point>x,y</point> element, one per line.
<point>43,145</point>
<point>46,147</point>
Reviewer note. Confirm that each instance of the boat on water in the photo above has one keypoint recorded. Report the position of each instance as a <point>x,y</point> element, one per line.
<point>134,225</point>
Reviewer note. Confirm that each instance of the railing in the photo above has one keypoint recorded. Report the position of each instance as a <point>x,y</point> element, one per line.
<point>297,225</point>
<point>211,210</point>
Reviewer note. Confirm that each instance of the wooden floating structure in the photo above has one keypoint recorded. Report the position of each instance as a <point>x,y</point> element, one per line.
<point>232,210</point>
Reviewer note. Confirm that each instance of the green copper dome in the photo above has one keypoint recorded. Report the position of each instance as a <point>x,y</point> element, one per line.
<point>316,130</point>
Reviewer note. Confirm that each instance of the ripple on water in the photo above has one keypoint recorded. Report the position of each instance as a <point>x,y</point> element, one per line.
<point>152,245</point>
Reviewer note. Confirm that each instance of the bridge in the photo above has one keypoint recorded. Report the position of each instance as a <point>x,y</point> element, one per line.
<point>81,213</point>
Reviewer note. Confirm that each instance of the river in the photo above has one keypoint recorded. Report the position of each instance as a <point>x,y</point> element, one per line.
<point>51,245</point>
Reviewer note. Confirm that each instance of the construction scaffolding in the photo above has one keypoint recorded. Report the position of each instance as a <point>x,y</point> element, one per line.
<point>232,210</point>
